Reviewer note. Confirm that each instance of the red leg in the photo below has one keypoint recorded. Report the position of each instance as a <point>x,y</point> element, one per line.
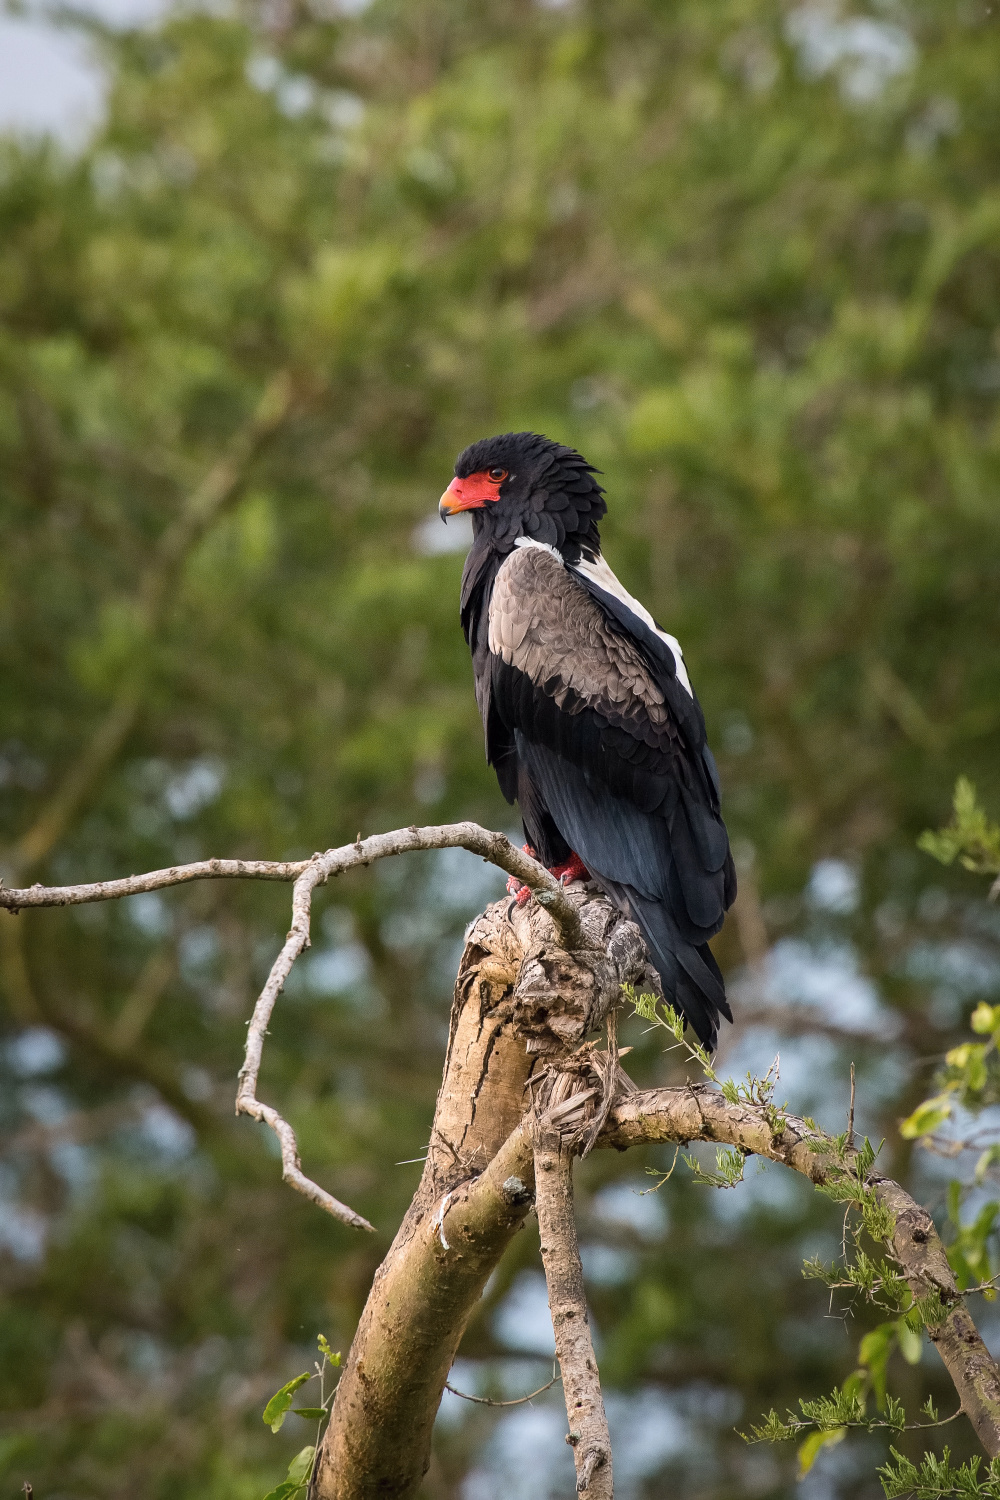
<point>573,869</point>
<point>517,888</point>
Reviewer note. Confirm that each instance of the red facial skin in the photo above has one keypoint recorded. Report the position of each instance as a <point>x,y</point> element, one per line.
<point>470,493</point>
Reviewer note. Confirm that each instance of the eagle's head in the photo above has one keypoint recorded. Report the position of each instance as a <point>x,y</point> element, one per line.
<point>524,485</point>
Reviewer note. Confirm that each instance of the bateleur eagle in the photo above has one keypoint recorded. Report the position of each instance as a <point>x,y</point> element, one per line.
<point>591,722</point>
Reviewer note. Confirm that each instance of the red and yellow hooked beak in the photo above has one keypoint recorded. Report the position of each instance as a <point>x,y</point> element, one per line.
<point>470,493</point>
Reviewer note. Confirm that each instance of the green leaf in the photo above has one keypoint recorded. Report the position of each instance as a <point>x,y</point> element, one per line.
<point>936,1479</point>
<point>730,1162</point>
<point>985,1018</point>
<point>285,1490</point>
<point>968,1252</point>
<point>813,1445</point>
<point>969,1063</point>
<point>913,1320</point>
<point>874,1355</point>
<point>969,834</point>
<point>988,1159</point>
<point>911,1344</point>
<point>300,1467</point>
<point>311,1413</point>
<point>299,1474</point>
<point>926,1117</point>
<point>276,1409</point>
<point>772,1429</point>
<point>932,1310</point>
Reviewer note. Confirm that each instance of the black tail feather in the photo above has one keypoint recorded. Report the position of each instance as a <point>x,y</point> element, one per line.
<point>691,978</point>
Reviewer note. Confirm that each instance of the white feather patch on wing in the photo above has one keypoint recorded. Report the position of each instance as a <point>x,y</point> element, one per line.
<point>529,541</point>
<point>600,574</point>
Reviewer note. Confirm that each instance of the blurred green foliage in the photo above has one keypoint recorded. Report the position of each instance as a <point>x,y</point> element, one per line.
<point>970,835</point>
<point>745,255</point>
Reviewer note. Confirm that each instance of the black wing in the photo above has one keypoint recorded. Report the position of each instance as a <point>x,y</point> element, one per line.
<point>589,719</point>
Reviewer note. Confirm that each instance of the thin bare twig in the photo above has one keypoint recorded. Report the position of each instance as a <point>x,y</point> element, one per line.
<point>518,1400</point>
<point>153,880</point>
<point>850,1115</point>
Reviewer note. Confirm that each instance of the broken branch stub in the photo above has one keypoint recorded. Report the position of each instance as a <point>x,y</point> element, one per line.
<point>562,996</point>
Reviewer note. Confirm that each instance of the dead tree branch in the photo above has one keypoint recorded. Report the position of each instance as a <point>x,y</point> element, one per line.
<point>493,847</point>
<point>153,880</point>
<point>307,875</point>
<point>702,1114</point>
<point>588,1424</point>
<point>571,1104</point>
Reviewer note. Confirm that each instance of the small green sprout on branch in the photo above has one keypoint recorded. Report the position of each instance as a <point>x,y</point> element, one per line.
<point>300,1470</point>
<point>730,1161</point>
<point>648,1008</point>
<point>936,1478</point>
<point>847,1182</point>
<point>876,1278</point>
<point>755,1091</point>
<point>970,1078</point>
<point>827,1420</point>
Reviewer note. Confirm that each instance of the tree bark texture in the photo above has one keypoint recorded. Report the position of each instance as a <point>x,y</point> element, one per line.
<point>520,1001</point>
<point>588,1424</point>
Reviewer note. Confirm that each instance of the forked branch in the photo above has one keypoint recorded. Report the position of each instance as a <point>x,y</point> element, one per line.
<point>307,875</point>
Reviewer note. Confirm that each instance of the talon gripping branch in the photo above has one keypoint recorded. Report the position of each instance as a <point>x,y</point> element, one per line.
<point>591,722</point>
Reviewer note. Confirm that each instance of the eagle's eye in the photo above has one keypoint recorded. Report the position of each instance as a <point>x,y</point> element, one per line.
<point>497,475</point>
